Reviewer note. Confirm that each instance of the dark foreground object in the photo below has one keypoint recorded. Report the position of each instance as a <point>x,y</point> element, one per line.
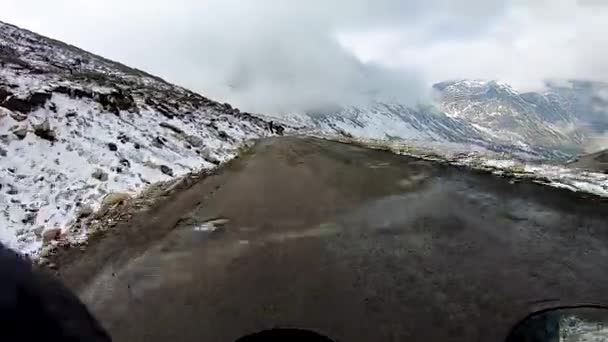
<point>356,244</point>
<point>36,307</point>
<point>285,335</point>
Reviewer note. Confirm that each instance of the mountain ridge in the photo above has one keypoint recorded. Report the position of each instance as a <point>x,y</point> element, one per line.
<point>554,125</point>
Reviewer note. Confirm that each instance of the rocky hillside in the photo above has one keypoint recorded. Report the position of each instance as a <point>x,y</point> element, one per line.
<point>426,125</point>
<point>76,128</point>
<point>560,118</point>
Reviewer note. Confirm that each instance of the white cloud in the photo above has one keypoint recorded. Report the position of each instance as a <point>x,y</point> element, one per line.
<point>531,42</point>
<point>275,56</point>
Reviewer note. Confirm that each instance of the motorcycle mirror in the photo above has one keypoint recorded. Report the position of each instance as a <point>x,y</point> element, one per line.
<point>570,324</point>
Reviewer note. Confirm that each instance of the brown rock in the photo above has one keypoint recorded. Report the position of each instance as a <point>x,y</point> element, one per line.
<point>116,101</point>
<point>20,132</point>
<point>16,104</point>
<point>44,130</point>
<point>29,218</point>
<point>4,94</point>
<point>38,99</point>
<point>17,116</point>
<point>47,251</point>
<point>43,261</point>
<point>51,234</point>
<point>38,231</point>
<point>112,147</point>
<point>85,211</point>
<point>111,200</point>
<point>166,170</point>
<point>194,140</point>
<point>115,198</point>
<point>100,175</point>
<point>29,104</point>
<point>171,127</point>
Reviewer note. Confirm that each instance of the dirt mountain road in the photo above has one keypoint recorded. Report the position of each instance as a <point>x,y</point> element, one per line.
<point>357,244</point>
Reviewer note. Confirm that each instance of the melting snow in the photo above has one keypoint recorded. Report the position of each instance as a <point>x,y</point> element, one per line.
<point>50,179</point>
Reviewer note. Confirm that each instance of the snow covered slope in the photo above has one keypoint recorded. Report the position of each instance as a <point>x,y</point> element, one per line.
<point>75,127</point>
<point>487,124</point>
<point>554,125</point>
<point>426,125</point>
<point>533,118</point>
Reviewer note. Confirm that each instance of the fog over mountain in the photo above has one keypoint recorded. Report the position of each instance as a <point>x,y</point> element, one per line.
<point>276,57</point>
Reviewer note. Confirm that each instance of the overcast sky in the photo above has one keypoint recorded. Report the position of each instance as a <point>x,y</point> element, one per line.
<point>283,55</point>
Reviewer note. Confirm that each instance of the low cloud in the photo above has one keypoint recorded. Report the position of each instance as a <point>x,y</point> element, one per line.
<point>597,142</point>
<point>528,43</point>
<point>282,56</point>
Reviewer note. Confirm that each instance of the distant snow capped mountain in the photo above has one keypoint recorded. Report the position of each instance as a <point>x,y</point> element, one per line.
<point>491,115</point>
<point>587,101</point>
<point>76,128</point>
<point>561,118</point>
<point>503,112</point>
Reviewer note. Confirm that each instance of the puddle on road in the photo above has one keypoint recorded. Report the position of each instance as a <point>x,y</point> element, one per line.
<point>378,165</point>
<point>413,180</point>
<point>169,264</point>
<point>211,226</point>
<point>322,230</point>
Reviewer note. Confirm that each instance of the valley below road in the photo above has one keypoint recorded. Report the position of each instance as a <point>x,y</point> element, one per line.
<point>357,244</point>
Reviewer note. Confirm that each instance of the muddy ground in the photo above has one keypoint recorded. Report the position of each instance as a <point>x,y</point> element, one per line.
<point>357,244</point>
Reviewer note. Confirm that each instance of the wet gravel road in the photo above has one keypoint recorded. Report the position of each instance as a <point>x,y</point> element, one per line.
<point>357,244</point>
